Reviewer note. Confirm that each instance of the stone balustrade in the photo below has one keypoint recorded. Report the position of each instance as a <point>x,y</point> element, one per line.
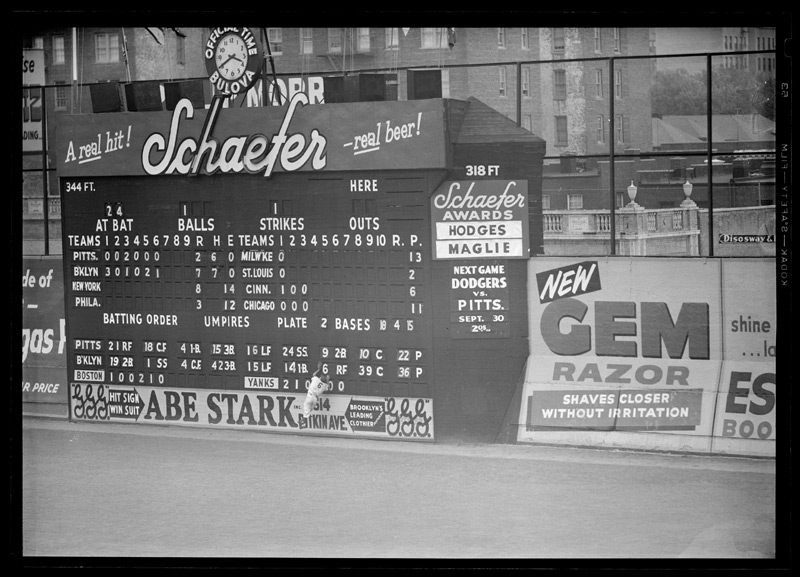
<point>639,231</point>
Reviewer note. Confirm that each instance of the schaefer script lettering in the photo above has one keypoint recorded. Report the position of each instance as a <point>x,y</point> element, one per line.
<point>464,207</point>
<point>252,154</point>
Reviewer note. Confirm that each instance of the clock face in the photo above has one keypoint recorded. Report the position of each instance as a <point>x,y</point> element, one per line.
<point>231,57</point>
<point>233,60</point>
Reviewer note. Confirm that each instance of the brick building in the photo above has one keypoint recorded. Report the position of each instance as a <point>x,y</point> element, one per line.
<point>715,39</point>
<point>76,58</point>
<point>562,100</point>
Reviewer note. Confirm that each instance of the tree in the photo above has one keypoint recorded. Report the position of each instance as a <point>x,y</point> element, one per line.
<point>733,91</point>
<point>677,92</point>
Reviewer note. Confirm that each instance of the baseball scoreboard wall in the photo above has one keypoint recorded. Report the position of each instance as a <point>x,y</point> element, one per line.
<point>212,257</point>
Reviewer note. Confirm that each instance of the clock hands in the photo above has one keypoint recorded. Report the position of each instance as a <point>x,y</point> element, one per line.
<point>231,57</point>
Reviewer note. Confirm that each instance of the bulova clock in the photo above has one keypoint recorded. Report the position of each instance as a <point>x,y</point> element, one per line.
<point>233,59</point>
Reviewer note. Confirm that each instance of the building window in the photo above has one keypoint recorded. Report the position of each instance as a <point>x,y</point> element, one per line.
<point>501,37</point>
<point>620,128</point>
<point>335,40</point>
<point>545,202</point>
<point>106,48</point>
<point>526,82</point>
<point>561,131</point>
<point>502,81</point>
<point>617,41</point>
<point>559,84</point>
<point>434,38</point>
<point>526,43</point>
<point>618,83</point>
<point>526,122</point>
<point>601,129</point>
<point>392,39</point>
<point>37,43</point>
<point>597,45</point>
<point>180,49</point>
<point>620,199</point>
<point>59,54</point>
<point>598,83</point>
<point>362,37</point>
<point>306,41</point>
<point>558,39</point>
<point>275,36</point>
<point>574,202</point>
<point>61,96</point>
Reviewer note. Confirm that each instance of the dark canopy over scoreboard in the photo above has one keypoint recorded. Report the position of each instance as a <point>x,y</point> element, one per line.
<point>214,257</point>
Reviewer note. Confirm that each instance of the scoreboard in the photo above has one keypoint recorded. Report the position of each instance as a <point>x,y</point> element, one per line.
<point>215,258</point>
<point>229,283</point>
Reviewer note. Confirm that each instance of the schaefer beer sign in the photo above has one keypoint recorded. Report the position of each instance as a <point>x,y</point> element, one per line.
<point>260,141</point>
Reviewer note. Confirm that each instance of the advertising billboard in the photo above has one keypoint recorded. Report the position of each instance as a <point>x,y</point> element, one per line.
<point>44,339</point>
<point>669,354</point>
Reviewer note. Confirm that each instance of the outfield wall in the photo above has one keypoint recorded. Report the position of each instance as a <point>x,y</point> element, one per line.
<point>652,354</point>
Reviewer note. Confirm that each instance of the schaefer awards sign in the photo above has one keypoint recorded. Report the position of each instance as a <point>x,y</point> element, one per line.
<point>640,353</point>
<point>480,219</point>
